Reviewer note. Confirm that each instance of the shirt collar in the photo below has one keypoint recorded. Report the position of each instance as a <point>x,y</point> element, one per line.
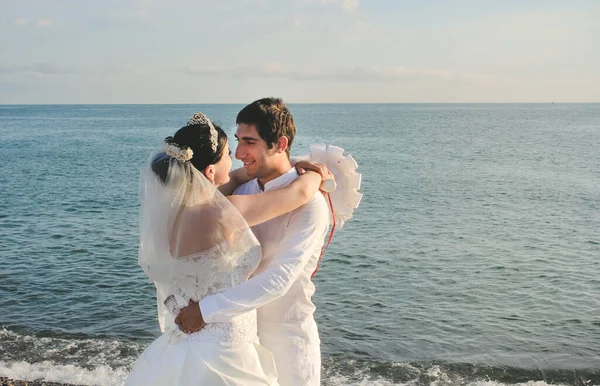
<point>280,181</point>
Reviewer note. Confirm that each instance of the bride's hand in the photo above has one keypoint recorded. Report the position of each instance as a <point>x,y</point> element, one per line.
<point>304,165</point>
<point>328,184</point>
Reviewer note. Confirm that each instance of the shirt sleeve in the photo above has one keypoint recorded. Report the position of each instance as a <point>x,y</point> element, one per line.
<point>304,235</point>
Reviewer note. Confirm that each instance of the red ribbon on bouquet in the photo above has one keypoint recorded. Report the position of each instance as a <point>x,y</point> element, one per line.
<point>330,234</point>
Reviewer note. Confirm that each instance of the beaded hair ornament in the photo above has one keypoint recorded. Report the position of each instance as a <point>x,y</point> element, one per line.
<point>201,119</point>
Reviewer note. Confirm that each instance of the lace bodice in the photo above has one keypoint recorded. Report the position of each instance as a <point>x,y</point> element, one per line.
<point>216,276</point>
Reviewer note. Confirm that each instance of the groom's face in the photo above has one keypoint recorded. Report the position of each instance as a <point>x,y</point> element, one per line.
<point>253,151</point>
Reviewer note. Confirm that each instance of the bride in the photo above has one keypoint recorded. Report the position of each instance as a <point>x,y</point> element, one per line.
<point>195,241</point>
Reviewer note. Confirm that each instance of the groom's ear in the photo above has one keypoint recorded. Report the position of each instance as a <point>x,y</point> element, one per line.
<point>282,144</point>
<point>209,172</point>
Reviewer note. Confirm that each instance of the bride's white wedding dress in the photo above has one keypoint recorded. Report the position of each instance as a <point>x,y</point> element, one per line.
<point>194,243</point>
<point>221,353</point>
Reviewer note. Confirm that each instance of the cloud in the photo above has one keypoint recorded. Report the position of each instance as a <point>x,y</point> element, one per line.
<point>21,21</point>
<point>346,5</point>
<point>376,74</point>
<point>37,69</point>
<point>356,74</point>
<point>270,69</point>
<point>121,69</point>
<point>44,23</point>
<point>350,5</point>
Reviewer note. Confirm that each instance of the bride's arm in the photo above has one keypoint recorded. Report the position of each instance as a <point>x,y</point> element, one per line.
<point>261,207</point>
<point>236,178</point>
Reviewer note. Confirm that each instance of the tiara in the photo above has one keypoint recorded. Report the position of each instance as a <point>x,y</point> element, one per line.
<point>172,149</point>
<point>201,119</point>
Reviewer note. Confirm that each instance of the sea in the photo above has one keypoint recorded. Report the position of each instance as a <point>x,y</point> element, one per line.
<point>473,258</point>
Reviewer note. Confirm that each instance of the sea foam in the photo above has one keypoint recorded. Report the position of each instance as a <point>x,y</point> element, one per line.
<point>52,372</point>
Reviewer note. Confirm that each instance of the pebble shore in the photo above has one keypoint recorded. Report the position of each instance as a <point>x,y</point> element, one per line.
<point>11,382</point>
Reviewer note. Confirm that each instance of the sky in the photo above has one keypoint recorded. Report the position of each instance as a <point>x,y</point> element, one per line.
<point>305,51</point>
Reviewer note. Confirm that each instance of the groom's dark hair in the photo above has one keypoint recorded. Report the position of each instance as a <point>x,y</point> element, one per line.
<point>272,120</point>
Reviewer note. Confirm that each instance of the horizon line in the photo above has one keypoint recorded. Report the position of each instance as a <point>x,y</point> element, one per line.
<point>295,103</point>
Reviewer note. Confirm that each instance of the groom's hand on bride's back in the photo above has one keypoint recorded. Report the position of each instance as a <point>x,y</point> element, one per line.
<point>190,319</point>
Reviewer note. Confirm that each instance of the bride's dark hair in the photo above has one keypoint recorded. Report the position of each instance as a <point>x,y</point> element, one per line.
<point>197,138</point>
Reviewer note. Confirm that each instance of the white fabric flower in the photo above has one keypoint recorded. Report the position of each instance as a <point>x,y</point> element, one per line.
<point>182,155</point>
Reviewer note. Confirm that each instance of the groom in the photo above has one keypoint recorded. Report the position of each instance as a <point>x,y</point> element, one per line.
<point>281,288</point>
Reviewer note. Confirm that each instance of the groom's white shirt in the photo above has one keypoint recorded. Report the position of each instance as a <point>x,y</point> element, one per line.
<point>280,288</point>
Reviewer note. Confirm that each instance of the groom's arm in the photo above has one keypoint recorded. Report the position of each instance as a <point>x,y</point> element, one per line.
<point>304,235</point>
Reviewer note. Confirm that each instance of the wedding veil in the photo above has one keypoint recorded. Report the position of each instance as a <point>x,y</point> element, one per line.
<point>189,232</point>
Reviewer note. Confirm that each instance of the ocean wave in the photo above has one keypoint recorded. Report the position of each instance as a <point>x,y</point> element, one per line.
<point>90,354</point>
<point>104,376</point>
<point>71,374</point>
<point>341,371</point>
<point>64,358</point>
